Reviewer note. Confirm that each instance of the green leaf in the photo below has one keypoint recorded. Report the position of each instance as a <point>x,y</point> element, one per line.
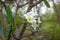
<point>46,3</point>
<point>9,14</point>
<point>10,20</point>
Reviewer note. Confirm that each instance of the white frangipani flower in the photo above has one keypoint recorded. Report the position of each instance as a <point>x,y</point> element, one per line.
<point>30,19</point>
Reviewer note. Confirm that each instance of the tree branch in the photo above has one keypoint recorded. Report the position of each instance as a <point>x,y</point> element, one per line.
<point>3,3</point>
<point>21,32</point>
<point>30,34</point>
<point>16,38</point>
<point>34,4</point>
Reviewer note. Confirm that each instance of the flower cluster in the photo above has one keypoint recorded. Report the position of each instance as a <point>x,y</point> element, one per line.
<point>31,18</point>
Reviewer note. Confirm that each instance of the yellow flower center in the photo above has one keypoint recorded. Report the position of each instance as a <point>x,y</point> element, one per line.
<point>29,19</point>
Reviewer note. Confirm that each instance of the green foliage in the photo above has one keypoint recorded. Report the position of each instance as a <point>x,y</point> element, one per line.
<point>55,32</point>
<point>52,29</point>
<point>46,3</point>
<point>10,20</point>
<point>49,19</point>
<point>9,14</point>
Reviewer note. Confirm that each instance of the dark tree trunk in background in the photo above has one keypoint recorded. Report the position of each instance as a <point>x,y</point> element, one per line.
<point>57,11</point>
